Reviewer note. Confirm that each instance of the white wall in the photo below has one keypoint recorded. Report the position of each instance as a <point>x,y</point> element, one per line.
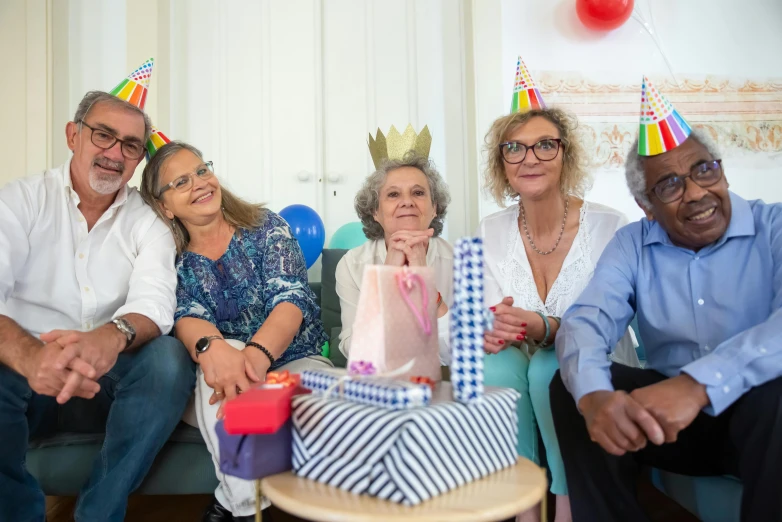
<point>281,94</point>
<point>729,38</point>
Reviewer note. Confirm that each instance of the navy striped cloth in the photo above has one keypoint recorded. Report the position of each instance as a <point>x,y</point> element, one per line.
<point>405,456</point>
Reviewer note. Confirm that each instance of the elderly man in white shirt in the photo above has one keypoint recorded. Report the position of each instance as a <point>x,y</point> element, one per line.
<point>87,294</point>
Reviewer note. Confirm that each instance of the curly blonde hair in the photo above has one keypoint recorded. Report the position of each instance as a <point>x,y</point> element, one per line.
<point>575,179</point>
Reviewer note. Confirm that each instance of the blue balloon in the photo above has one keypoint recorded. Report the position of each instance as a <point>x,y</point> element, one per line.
<point>348,236</point>
<point>308,230</point>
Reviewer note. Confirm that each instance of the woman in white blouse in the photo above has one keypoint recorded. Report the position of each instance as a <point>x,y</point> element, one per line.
<point>401,206</point>
<point>540,254</point>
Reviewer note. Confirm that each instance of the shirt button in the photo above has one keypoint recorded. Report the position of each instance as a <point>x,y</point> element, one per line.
<point>719,375</point>
<point>81,219</point>
<point>763,350</point>
<point>81,256</point>
<point>700,302</point>
<point>726,389</point>
<point>86,288</point>
<point>706,348</point>
<point>697,257</point>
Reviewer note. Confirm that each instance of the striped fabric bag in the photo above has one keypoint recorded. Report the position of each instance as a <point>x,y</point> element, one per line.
<point>405,456</point>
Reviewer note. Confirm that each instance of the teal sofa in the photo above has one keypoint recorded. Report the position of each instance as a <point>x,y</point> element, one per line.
<point>62,463</point>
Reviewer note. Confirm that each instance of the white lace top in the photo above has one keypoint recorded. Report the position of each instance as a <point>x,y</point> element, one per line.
<point>508,271</point>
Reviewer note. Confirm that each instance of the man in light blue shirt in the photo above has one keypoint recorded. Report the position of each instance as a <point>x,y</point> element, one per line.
<point>704,275</point>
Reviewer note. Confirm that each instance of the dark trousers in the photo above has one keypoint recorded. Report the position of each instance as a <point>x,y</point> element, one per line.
<point>140,403</point>
<point>745,440</point>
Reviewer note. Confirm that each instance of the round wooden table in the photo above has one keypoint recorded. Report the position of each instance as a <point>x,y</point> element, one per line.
<point>499,496</point>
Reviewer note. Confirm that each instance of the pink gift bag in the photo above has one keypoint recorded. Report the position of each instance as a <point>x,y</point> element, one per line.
<point>396,322</point>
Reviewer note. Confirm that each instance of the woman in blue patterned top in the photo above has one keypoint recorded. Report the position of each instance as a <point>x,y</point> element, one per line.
<point>242,282</point>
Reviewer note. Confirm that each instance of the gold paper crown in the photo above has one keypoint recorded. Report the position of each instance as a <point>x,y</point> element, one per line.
<point>395,145</point>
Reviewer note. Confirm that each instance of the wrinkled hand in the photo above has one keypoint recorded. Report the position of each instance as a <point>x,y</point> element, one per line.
<point>510,326</point>
<point>46,378</point>
<point>618,423</point>
<point>226,371</point>
<point>408,247</point>
<point>674,403</point>
<point>98,348</point>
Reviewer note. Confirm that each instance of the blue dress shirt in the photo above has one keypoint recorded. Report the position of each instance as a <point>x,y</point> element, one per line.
<point>713,314</point>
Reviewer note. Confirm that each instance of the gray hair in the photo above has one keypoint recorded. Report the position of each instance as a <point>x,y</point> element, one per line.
<point>634,165</point>
<point>368,197</point>
<point>95,97</point>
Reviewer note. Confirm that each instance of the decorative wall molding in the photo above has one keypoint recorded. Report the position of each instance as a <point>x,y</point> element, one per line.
<point>742,115</point>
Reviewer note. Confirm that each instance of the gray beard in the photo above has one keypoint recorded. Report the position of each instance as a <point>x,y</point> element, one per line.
<point>105,183</point>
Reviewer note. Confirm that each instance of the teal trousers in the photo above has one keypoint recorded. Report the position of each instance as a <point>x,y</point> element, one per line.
<point>512,368</point>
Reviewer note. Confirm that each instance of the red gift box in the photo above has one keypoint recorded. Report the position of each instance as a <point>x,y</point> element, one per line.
<point>264,409</point>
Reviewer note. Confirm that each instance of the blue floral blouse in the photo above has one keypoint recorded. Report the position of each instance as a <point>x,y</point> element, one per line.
<point>260,269</point>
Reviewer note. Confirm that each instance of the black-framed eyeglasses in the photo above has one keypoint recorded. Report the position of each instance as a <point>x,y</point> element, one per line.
<point>514,152</point>
<point>672,188</point>
<point>185,182</point>
<point>100,138</point>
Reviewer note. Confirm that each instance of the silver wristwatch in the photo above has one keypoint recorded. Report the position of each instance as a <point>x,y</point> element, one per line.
<point>124,326</point>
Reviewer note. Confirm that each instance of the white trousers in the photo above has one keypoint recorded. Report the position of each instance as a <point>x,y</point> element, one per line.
<point>234,493</point>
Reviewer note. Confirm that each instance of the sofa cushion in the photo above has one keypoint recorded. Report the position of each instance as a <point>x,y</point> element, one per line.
<point>330,312</point>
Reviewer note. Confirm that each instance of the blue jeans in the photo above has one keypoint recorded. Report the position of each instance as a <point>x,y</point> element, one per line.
<point>139,404</point>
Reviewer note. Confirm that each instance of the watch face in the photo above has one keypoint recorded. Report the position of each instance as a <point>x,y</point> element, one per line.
<point>202,344</point>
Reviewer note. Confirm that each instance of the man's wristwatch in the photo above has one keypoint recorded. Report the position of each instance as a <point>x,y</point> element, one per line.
<point>203,343</point>
<point>124,326</point>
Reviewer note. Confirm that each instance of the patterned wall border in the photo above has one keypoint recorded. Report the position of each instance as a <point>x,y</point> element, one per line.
<point>744,116</point>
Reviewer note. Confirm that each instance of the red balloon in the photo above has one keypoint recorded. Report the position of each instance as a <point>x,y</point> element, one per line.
<point>604,15</point>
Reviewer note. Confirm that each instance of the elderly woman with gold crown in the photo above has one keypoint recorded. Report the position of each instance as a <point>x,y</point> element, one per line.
<point>243,303</point>
<point>540,254</point>
<point>401,206</point>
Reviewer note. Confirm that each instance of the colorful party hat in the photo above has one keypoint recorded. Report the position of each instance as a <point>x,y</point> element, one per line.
<point>662,128</point>
<point>156,140</point>
<point>133,89</point>
<point>395,145</point>
<point>525,95</point>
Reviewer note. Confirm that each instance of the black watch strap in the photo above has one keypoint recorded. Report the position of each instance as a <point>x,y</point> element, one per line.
<point>263,349</point>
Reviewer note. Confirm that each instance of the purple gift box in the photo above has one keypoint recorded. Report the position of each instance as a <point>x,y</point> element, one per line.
<point>255,456</point>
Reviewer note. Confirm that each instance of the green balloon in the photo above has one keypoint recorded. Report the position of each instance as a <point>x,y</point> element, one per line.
<point>348,236</point>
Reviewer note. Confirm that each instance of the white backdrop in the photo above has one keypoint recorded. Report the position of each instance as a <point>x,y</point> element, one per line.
<point>282,94</point>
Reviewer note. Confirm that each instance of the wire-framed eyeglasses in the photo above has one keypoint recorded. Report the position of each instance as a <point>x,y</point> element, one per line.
<point>185,182</point>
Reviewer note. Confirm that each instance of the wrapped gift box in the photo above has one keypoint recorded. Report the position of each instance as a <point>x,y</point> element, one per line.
<point>406,456</point>
<point>373,391</point>
<point>263,409</point>
<point>255,456</point>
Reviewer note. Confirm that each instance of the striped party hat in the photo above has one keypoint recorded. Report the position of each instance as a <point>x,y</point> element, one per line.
<point>133,89</point>
<point>662,128</point>
<point>156,140</point>
<point>525,95</point>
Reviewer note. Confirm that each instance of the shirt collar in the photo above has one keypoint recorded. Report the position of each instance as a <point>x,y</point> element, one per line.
<point>122,194</point>
<point>742,223</point>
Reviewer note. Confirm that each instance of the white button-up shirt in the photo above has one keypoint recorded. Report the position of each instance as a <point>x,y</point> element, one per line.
<point>55,274</point>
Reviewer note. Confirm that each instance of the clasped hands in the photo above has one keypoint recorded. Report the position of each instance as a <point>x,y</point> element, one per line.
<point>408,247</point>
<point>70,362</point>
<point>229,371</point>
<point>622,422</point>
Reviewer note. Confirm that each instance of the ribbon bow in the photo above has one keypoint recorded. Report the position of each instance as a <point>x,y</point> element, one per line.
<point>362,368</point>
<point>281,379</point>
<point>423,380</point>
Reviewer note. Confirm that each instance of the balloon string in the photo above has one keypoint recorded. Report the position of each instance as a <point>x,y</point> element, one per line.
<point>638,18</point>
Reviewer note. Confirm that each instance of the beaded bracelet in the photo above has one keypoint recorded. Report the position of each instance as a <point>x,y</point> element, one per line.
<point>263,349</point>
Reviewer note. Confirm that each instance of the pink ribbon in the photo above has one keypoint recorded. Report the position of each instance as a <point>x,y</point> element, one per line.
<point>406,280</point>
<point>362,368</point>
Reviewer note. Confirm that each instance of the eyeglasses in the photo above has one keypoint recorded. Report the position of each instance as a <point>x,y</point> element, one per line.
<point>185,182</point>
<point>102,139</point>
<point>672,188</point>
<point>514,152</point>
